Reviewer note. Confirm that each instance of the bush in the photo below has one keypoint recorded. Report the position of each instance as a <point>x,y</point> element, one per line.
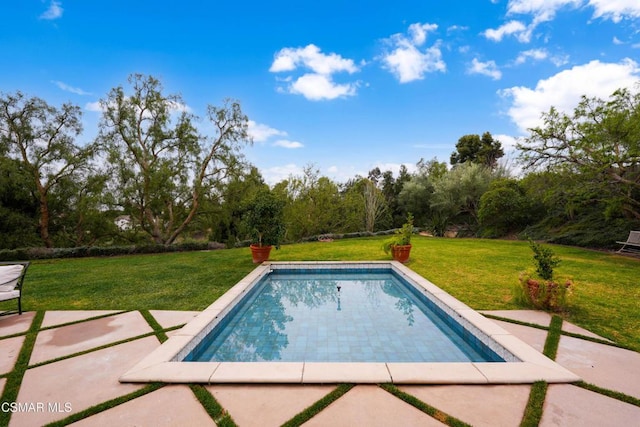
<point>102,251</point>
<point>541,291</point>
<point>545,260</point>
<point>543,295</point>
<point>504,208</point>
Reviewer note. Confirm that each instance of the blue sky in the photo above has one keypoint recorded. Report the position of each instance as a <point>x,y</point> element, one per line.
<point>343,87</point>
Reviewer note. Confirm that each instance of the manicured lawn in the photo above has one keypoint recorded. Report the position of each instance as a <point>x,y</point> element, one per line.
<point>479,272</point>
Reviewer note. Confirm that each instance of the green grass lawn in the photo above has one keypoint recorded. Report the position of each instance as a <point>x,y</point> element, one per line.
<point>479,272</point>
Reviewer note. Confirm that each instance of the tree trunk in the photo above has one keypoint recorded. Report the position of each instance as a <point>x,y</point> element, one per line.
<point>44,218</point>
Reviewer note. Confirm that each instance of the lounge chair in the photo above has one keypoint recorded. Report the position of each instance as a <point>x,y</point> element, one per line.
<point>633,241</point>
<point>11,278</point>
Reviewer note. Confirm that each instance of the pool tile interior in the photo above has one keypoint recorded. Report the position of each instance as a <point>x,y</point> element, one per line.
<point>339,315</point>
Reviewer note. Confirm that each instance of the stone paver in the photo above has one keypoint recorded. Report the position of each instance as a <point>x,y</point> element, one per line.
<point>570,327</point>
<point>480,406</point>
<point>600,364</point>
<point>9,351</point>
<point>53,318</point>
<point>169,406</point>
<point>529,316</point>
<point>369,405</point>
<point>266,405</point>
<point>15,323</point>
<point>83,381</point>
<point>567,405</point>
<point>168,319</point>
<point>54,343</point>
<point>80,382</point>
<point>532,336</point>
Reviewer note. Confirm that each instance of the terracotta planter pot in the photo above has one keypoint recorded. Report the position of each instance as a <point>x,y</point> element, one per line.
<point>401,253</point>
<point>533,287</point>
<point>260,253</point>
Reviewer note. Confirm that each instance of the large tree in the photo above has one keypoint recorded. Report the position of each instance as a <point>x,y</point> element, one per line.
<point>375,204</point>
<point>456,196</point>
<point>600,141</point>
<point>473,148</point>
<point>162,166</point>
<point>313,204</point>
<point>417,193</point>
<point>222,210</point>
<point>42,138</point>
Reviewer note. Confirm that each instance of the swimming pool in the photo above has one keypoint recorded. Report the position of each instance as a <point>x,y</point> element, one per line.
<point>338,315</point>
<point>405,303</point>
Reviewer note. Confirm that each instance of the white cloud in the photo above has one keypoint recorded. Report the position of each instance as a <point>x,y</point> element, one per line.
<point>559,60</point>
<point>511,27</point>
<point>546,10</point>
<point>533,54</point>
<point>488,68</point>
<point>178,107</point>
<point>319,84</point>
<point>541,55</point>
<point>94,106</point>
<point>418,32</point>
<point>317,87</point>
<point>508,142</point>
<point>285,143</point>
<point>407,60</point>
<point>343,173</point>
<point>564,90</point>
<point>68,88</point>
<point>275,174</point>
<point>542,10</point>
<point>260,132</point>
<point>617,41</point>
<point>54,11</point>
<point>310,56</point>
<point>616,10</point>
<point>457,28</point>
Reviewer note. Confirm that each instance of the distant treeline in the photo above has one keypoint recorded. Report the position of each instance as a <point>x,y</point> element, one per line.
<point>152,178</point>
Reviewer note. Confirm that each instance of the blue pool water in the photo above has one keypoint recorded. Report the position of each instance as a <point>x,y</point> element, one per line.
<point>338,316</point>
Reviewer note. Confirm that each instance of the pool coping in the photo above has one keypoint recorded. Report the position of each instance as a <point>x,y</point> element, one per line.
<point>162,365</point>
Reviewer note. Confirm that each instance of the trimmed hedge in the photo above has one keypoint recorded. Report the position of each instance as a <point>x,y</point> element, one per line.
<point>337,236</point>
<point>27,254</point>
<point>102,251</point>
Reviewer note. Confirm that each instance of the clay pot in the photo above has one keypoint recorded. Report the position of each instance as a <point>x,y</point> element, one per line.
<point>260,253</point>
<point>401,253</point>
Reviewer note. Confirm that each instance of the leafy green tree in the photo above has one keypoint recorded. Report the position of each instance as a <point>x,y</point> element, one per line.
<point>222,210</point>
<point>569,209</point>
<point>313,204</point>
<point>18,207</point>
<point>264,218</point>
<point>162,166</point>
<point>42,138</point>
<point>504,208</point>
<point>375,204</point>
<point>416,193</point>
<point>456,196</point>
<point>482,150</point>
<point>391,188</point>
<point>600,141</point>
<point>83,221</point>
